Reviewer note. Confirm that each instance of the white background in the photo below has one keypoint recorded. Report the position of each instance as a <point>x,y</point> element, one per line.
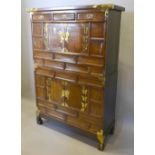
<point>125,88</point>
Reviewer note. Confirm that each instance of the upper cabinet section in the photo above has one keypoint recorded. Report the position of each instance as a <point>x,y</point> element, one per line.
<point>84,38</point>
<point>76,31</point>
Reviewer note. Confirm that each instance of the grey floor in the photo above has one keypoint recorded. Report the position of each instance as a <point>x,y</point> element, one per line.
<point>54,139</point>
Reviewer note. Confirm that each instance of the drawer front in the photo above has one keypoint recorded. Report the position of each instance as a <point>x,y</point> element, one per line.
<point>64,16</point>
<point>91,16</point>
<point>41,17</point>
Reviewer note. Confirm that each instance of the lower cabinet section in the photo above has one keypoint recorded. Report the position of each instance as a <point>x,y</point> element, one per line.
<point>81,98</point>
<point>75,104</point>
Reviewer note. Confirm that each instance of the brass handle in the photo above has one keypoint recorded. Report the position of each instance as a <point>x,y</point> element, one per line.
<point>89,16</point>
<point>64,16</point>
<point>64,35</point>
<point>41,17</point>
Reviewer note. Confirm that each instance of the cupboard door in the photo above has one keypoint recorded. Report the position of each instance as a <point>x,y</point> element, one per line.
<point>69,37</point>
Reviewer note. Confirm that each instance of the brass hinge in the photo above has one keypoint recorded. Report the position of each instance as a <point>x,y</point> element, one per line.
<point>84,98</point>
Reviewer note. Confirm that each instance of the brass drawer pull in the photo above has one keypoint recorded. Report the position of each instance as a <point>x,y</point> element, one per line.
<point>61,16</point>
<point>64,16</point>
<point>89,16</point>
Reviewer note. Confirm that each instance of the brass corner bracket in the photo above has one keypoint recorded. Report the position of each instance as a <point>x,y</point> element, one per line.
<point>31,10</point>
<point>100,136</point>
<point>104,6</point>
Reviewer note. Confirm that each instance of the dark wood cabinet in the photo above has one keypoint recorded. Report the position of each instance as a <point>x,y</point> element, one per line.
<point>75,52</point>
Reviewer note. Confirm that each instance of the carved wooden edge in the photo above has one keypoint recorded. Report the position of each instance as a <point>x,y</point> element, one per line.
<point>103,6</point>
<point>106,7</point>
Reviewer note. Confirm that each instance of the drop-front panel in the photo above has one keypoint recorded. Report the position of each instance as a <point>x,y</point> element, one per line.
<point>75,54</point>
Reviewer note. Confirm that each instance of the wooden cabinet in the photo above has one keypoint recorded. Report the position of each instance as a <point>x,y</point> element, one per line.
<point>75,53</point>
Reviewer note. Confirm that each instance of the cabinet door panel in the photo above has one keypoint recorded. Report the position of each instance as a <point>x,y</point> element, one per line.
<point>75,96</point>
<point>53,90</point>
<point>97,30</point>
<point>56,90</point>
<point>40,80</point>
<point>70,37</point>
<point>37,29</point>
<point>38,43</point>
<point>41,92</point>
<point>96,102</point>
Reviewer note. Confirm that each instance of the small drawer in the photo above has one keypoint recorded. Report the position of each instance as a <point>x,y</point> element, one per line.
<point>44,72</point>
<point>76,68</point>
<point>91,61</point>
<point>90,81</point>
<point>64,16</point>
<point>91,16</point>
<point>65,77</point>
<point>41,17</point>
<point>65,58</point>
<point>54,65</point>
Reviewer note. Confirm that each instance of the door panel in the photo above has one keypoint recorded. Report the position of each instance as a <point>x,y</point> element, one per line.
<point>96,102</point>
<point>38,43</point>
<point>37,29</point>
<point>97,30</point>
<point>56,90</point>
<point>75,96</point>
<point>72,37</point>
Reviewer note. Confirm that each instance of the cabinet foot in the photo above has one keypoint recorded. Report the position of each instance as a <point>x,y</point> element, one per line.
<point>111,132</point>
<point>101,147</point>
<point>39,119</point>
<point>101,138</point>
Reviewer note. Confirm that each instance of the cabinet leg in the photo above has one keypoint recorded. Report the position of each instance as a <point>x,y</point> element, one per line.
<point>101,140</point>
<point>111,132</point>
<point>39,119</point>
<point>101,147</point>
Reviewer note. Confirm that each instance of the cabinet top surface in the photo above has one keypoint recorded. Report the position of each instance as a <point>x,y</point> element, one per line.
<point>101,7</point>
